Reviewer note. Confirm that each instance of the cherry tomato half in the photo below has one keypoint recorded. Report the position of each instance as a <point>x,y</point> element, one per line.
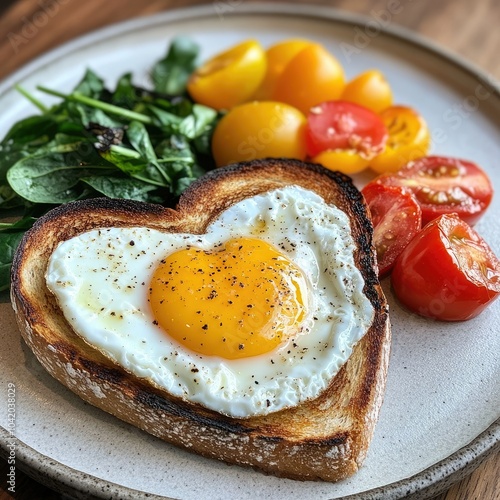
<point>396,219</point>
<point>444,185</point>
<point>312,76</point>
<point>229,78</point>
<point>447,272</point>
<point>347,161</point>
<point>369,89</point>
<point>259,129</point>
<point>344,125</point>
<point>278,56</point>
<point>409,139</point>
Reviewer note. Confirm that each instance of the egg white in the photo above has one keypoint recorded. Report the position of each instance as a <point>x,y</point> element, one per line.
<point>101,280</point>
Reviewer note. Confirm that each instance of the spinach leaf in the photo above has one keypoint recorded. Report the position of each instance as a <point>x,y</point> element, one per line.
<point>8,245</point>
<point>203,146</point>
<point>170,75</point>
<point>7,159</point>
<point>11,235</point>
<point>23,139</point>
<point>20,225</point>
<point>31,131</point>
<point>87,115</point>
<point>64,143</point>
<point>140,140</point>
<point>169,122</point>
<point>175,149</point>
<point>127,160</point>
<point>9,198</point>
<point>91,85</point>
<point>119,187</point>
<point>125,93</point>
<point>153,174</point>
<point>177,157</point>
<point>51,178</point>
<point>198,122</point>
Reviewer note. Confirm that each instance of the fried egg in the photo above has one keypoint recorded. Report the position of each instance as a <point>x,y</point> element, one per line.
<point>256,315</point>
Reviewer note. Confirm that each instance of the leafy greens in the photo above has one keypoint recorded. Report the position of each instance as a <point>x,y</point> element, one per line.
<point>130,143</point>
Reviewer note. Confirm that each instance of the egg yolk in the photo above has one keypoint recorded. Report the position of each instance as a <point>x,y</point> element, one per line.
<point>241,299</point>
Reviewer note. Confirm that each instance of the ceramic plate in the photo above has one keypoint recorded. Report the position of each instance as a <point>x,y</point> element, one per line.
<point>441,408</point>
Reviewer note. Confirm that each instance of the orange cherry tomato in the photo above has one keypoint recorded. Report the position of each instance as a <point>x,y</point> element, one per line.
<point>312,76</point>
<point>229,78</point>
<point>259,129</point>
<point>369,89</point>
<point>347,161</point>
<point>409,139</point>
<point>278,56</point>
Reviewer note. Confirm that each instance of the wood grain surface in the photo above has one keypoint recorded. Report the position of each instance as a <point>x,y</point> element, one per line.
<point>29,28</point>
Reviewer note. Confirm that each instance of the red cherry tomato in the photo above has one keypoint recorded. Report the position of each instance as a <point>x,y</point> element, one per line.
<point>396,218</point>
<point>447,272</point>
<point>444,185</point>
<point>335,125</point>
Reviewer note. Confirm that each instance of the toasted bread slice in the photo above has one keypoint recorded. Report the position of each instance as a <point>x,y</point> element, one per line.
<point>326,438</point>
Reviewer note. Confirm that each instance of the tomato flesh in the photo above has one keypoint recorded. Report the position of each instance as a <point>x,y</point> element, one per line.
<point>344,125</point>
<point>447,272</point>
<point>444,185</point>
<point>396,219</point>
<point>409,139</point>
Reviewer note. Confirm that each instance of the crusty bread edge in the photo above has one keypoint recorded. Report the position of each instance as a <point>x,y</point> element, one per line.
<point>254,442</point>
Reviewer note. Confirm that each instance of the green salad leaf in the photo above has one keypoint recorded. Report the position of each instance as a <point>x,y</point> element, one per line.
<point>170,75</point>
<point>11,235</point>
<point>52,178</point>
<point>122,187</point>
<point>129,142</point>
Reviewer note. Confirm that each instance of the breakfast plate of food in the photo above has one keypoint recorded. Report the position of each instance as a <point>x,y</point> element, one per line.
<point>248,255</point>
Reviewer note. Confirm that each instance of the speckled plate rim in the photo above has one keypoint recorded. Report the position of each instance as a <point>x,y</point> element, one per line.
<point>425,484</point>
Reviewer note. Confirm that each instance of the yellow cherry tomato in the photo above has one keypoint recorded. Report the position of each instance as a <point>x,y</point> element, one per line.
<point>229,78</point>
<point>312,76</point>
<point>369,89</point>
<point>346,161</point>
<point>259,129</point>
<point>278,56</point>
<point>409,138</point>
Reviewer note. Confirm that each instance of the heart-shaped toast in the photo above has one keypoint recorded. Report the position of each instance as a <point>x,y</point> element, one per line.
<point>328,432</point>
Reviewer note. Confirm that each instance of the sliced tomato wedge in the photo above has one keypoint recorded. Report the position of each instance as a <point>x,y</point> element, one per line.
<point>396,218</point>
<point>447,272</point>
<point>444,185</point>
<point>341,125</point>
<point>409,138</point>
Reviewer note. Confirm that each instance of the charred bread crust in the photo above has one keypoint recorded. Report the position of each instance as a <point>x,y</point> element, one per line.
<point>323,439</point>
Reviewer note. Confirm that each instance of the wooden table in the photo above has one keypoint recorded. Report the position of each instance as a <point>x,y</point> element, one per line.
<point>467,28</point>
